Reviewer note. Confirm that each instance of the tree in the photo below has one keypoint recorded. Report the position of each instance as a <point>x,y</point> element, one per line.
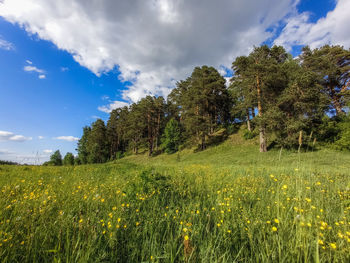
<point>172,136</point>
<point>97,144</point>
<point>332,65</point>
<point>68,159</point>
<point>82,148</point>
<point>56,158</point>
<point>203,102</point>
<point>299,107</point>
<point>260,80</point>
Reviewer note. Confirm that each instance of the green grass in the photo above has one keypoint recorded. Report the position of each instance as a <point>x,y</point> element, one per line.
<point>226,204</point>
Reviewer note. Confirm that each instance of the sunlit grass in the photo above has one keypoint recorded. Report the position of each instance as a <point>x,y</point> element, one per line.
<point>225,204</point>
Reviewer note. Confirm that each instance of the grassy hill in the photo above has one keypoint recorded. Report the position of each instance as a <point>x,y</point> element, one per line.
<point>229,203</point>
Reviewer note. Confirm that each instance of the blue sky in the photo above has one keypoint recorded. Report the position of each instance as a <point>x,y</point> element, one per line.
<point>56,77</point>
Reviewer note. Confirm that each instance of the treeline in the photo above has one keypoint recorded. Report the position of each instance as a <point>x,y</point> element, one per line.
<point>285,101</point>
<point>3,162</point>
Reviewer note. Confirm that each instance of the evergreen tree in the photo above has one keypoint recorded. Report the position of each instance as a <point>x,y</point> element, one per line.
<point>332,64</point>
<point>68,159</point>
<point>172,136</point>
<point>82,148</point>
<point>260,80</point>
<point>56,158</point>
<point>203,102</point>
<point>97,144</point>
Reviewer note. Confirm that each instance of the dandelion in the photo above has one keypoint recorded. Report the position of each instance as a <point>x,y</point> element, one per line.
<point>276,221</point>
<point>333,245</point>
<point>186,237</point>
<point>274,229</point>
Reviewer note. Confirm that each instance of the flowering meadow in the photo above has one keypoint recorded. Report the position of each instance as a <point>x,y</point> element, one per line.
<point>207,207</point>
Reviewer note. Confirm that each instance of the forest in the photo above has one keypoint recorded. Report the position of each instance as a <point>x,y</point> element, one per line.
<point>290,103</point>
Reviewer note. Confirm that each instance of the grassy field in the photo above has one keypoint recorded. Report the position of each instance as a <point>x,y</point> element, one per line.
<point>226,204</point>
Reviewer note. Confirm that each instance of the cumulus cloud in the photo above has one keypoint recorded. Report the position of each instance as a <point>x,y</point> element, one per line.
<point>47,151</point>
<point>113,105</point>
<point>332,29</point>
<point>30,68</point>
<point>152,43</point>
<point>67,138</point>
<point>6,45</point>
<point>10,136</point>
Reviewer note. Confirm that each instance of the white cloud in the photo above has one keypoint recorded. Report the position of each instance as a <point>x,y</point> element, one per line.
<point>32,68</point>
<point>113,105</point>
<point>63,69</point>
<point>332,29</point>
<point>20,138</point>
<point>6,45</point>
<point>41,137</point>
<point>67,138</point>
<point>10,136</point>
<point>47,151</point>
<point>152,43</point>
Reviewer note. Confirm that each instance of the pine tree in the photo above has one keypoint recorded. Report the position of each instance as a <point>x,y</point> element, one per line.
<point>97,144</point>
<point>82,148</point>
<point>202,101</point>
<point>259,80</point>
<point>332,65</point>
<point>172,136</point>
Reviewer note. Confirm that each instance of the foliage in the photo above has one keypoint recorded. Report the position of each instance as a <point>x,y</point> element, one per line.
<point>56,158</point>
<point>7,162</point>
<point>343,143</point>
<point>277,96</point>
<point>68,159</point>
<point>172,136</point>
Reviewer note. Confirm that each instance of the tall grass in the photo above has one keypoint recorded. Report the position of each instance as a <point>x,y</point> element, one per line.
<point>226,204</point>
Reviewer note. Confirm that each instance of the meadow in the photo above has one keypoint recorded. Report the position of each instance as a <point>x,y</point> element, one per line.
<point>229,203</point>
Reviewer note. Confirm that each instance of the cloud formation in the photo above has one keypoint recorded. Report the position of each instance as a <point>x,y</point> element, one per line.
<point>152,43</point>
<point>332,29</point>
<point>4,44</point>
<point>113,105</point>
<point>67,138</point>
<point>30,68</point>
<point>10,136</point>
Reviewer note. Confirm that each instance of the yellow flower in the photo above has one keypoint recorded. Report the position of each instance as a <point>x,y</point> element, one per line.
<point>333,245</point>
<point>284,187</point>
<point>186,237</point>
<point>276,221</point>
<point>320,242</point>
<point>81,220</point>
<point>274,229</point>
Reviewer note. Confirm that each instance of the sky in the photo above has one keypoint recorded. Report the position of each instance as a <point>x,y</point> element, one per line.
<point>63,64</point>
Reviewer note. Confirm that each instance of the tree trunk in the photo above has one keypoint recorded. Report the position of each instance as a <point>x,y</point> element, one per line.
<point>263,146</point>
<point>248,121</point>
